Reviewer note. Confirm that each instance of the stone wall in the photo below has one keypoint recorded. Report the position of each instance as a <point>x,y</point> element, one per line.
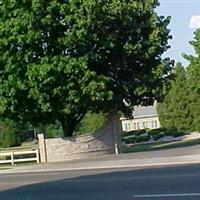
<point>104,141</point>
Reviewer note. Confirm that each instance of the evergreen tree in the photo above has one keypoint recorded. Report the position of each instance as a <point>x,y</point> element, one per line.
<point>194,80</point>
<point>175,109</point>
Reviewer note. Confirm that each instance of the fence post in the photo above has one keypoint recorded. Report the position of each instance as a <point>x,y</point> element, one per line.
<point>37,155</point>
<point>42,148</point>
<point>12,157</point>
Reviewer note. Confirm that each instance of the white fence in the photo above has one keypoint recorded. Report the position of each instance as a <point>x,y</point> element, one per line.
<point>14,160</point>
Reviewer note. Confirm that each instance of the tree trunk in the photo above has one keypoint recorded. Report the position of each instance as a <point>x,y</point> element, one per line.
<point>116,130</point>
<point>68,129</point>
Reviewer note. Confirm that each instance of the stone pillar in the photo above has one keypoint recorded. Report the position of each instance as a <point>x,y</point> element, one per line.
<point>42,148</point>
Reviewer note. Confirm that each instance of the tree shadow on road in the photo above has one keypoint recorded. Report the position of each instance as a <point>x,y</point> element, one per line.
<point>118,185</point>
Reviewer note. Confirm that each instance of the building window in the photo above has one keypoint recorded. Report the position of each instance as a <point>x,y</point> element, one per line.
<point>138,125</point>
<point>144,125</point>
<point>127,126</point>
<point>135,126</point>
<point>132,126</point>
<point>154,124</point>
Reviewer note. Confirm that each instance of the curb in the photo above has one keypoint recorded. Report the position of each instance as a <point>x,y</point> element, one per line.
<point>4,172</point>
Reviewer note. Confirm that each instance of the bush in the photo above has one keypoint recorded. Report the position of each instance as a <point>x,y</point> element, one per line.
<point>143,138</point>
<point>179,133</point>
<point>135,132</point>
<point>10,136</point>
<point>91,122</point>
<point>156,134</point>
<point>173,129</point>
<point>129,140</point>
<point>53,130</point>
<point>174,132</point>
<point>157,137</point>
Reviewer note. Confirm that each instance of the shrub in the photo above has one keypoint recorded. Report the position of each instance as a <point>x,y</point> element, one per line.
<point>53,130</point>
<point>169,133</point>
<point>10,136</point>
<point>143,138</point>
<point>135,132</point>
<point>91,122</point>
<point>179,133</point>
<point>173,129</point>
<point>130,140</point>
<point>156,134</point>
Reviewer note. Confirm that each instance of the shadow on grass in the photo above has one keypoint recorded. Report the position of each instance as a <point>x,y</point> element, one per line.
<point>160,146</point>
<point>99,185</point>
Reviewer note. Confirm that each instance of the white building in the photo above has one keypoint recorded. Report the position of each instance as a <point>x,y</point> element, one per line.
<point>144,117</point>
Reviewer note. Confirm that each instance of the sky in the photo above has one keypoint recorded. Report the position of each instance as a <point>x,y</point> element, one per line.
<point>185,20</point>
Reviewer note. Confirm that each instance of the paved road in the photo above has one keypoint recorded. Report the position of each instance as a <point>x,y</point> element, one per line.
<point>160,183</point>
<point>177,156</point>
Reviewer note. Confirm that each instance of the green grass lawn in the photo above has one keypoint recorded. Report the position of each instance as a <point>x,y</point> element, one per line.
<point>160,146</point>
<point>24,146</point>
<point>9,166</point>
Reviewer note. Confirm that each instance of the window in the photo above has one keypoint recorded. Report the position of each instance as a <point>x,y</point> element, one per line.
<point>135,126</point>
<point>138,125</point>
<point>154,124</point>
<point>144,125</point>
<point>127,126</point>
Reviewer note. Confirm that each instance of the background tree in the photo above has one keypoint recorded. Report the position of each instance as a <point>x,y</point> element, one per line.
<point>59,59</point>
<point>9,136</point>
<point>194,80</point>
<point>175,109</point>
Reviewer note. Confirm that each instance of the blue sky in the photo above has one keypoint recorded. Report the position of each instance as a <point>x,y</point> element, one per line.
<point>185,19</point>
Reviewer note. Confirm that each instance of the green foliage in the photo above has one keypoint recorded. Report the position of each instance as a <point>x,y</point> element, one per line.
<point>136,133</point>
<point>8,134</point>
<point>194,81</point>
<point>124,40</point>
<point>91,122</point>
<point>181,106</point>
<point>42,80</point>
<point>143,138</point>
<point>132,137</point>
<point>156,134</point>
<point>130,140</point>
<point>53,130</point>
<point>175,109</point>
<point>60,59</point>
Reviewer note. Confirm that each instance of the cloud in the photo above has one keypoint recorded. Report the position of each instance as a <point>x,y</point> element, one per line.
<point>195,21</point>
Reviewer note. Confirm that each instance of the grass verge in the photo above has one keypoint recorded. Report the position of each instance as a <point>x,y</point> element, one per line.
<point>9,166</point>
<point>160,146</point>
<point>24,146</point>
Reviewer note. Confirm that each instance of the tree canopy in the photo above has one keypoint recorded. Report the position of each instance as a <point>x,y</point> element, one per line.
<point>59,59</point>
<point>124,40</point>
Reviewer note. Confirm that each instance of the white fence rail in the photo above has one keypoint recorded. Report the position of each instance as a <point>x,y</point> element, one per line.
<point>14,160</point>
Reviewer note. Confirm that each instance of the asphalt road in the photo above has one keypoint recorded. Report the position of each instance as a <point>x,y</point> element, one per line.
<point>166,183</point>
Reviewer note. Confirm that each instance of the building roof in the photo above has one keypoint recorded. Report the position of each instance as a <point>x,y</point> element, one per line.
<point>144,111</point>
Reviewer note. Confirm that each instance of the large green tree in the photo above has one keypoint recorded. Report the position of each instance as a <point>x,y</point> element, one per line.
<point>124,40</point>
<point>40,80</point>
<point>59,59</point>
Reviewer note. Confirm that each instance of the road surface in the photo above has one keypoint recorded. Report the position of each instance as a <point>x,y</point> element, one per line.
<point>158,183</point>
